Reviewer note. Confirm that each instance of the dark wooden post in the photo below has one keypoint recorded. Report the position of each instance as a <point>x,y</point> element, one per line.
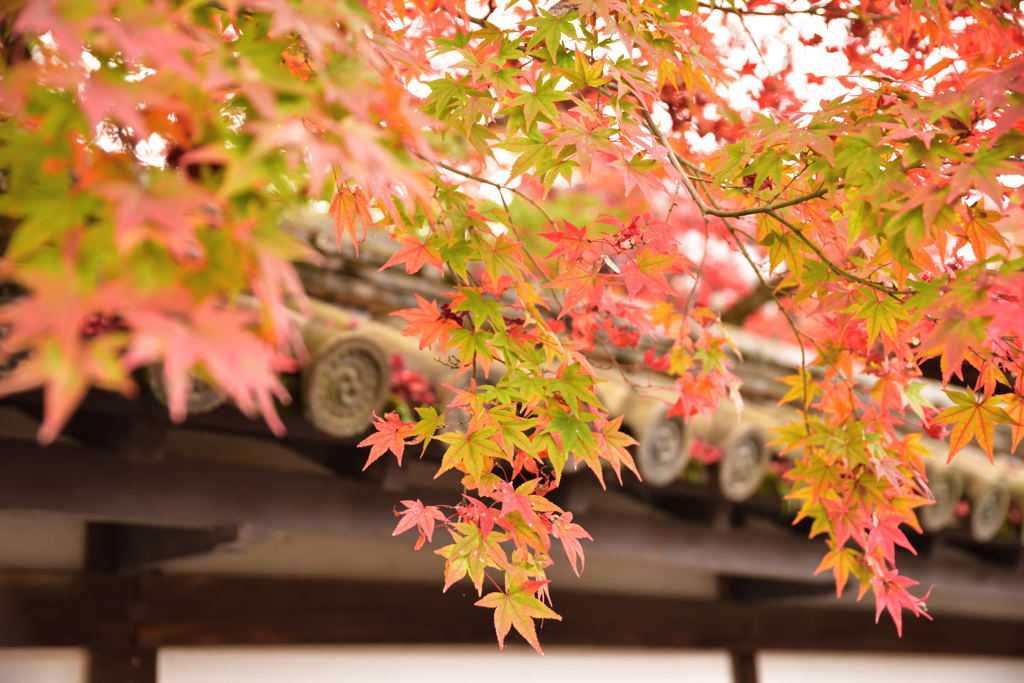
<point>744,666</point>
<point>129,665</point>
<point>114,656</point>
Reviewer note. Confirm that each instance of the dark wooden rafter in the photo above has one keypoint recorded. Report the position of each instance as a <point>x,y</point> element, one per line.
<point>186,493</point>
<point>173,610</point>
<point>749,590</point>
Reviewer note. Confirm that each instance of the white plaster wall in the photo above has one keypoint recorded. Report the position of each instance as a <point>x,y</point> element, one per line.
<point>423,664</point>
<point>803,667</point>
<point>42,665</point>
<point>434,665</point>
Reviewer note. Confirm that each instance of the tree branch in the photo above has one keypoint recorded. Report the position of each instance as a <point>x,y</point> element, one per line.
<point>817,10</point>
<point>676,160</point>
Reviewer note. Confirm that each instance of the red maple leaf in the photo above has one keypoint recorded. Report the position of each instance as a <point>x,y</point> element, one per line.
<point>886,535</point>
<point>391,435</point>
<point>563,528</point>
<point>571,242</point>
<point>891,594</point>
<point>423,517</point>
<point>583,284</point>
<point>514,500</point>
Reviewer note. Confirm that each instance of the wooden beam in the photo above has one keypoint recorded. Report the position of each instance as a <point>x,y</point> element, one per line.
<point>116,657</point>
<point>51,609</point>
<point>139,547</point>
<point>745,589</point>
<point>186,493</point>
<point>203,494</point>
<point>263,612</point>
<point>195,610</point>
<point>226,419</point>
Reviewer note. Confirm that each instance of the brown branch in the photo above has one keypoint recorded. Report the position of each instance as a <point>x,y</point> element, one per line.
<point>818,11</point>
<point>677,160</point>
<point>768,208</point>
<point>877,286</point>
<point>742,309</point>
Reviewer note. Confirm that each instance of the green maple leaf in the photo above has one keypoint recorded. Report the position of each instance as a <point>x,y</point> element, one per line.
<point>430,421</point>
<point>473,450</point>
<point>518,608</point>
<point>533,150</point>
<point>880,314</point>
<point>482,309</point>
<point>575,385</point>
<point>913,398</point>
<point>473,347</point>
<point>540,102</point>
<point>585,74</point>
<point>550,29</point>
<point>471,554</point>
<point>512,429</point>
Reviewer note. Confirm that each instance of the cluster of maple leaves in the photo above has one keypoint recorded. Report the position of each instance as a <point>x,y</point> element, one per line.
<point>555,166</point>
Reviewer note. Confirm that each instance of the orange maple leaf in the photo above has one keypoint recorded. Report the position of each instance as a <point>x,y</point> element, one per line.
<point>428,323</point>
<point>973,417</point>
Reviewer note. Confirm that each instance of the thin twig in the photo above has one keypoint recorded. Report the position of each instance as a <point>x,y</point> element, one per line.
<point>487,181</point>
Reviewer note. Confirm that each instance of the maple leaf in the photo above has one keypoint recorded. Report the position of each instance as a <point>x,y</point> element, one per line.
<point>572,242</point>
<point>885,534</point>
<point>428,323</point>
<point>973,417</point>
<point>423,517</point>
<point>473,551</point>
<point>611,444</point>
<point>563,528</point>
<point>351,213</point>
<point>392,435</point>
<point>218,339</point>
<point>841,562</point>
<point>471,451</point>
<point>891,595</point>
<point>540,100</point>
<point>582,283</point>
<point>516,500</point>
<point>1015,410</point>
<point>648,271</point>
<point>518,608</point>
<point>414,254</point>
